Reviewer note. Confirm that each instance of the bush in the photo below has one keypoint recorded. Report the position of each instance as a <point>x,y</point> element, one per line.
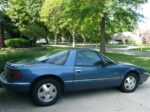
<point>17,43</point>
<point>131,42</point>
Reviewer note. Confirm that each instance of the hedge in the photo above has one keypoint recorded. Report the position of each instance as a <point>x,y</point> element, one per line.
<point>17,43</point>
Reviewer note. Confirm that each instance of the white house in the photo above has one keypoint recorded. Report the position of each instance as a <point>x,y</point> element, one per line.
<point>124,37</point>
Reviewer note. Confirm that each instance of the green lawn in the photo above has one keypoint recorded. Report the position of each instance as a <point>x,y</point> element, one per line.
<point>116,46</point>
<point>88,45</point>
<point>142,49</point>
<point>140,61</point>
<point>94,45</point>
<point>18,54</point>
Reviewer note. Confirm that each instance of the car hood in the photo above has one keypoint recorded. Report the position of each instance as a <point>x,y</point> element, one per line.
<point>128,65</point>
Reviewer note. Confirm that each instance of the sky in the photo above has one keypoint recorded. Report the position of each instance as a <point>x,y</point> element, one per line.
<point>146,21</point>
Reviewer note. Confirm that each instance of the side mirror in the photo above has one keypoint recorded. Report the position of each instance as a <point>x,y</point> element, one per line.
<point>104,65</point>
<point>107,64</point>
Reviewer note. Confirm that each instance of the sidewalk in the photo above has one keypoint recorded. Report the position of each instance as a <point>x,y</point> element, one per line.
<point>128,52</point>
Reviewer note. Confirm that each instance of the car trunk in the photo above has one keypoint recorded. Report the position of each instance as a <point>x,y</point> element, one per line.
<point>11,72</point>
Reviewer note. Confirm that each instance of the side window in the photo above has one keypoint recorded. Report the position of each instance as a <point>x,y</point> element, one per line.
<point>107,61</point>
<point>88,58</point>
<point>59,58</point>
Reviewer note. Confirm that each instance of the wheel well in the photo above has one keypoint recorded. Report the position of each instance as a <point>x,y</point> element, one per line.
<point>34,82</point>
<point>135,72</point>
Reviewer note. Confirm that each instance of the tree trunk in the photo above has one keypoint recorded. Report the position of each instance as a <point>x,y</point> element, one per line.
<point>84,39</point>
<point>102,34</point>
<point>1,37</point>
<point>33,42</point>
<point>62,38</point>
<point>73,40</point>
<point>55,40</point>
<point>46,39</point>
<point>46,36</point>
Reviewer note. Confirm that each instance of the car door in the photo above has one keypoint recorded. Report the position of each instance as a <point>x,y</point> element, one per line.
<point>89,71</point>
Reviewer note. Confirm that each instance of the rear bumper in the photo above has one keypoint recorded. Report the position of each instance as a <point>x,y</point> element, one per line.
<point>144,78</point>
<point>14,86</point>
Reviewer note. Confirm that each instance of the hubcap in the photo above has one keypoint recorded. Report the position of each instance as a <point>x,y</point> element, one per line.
<point>130,83</point>
<point>47,92</point>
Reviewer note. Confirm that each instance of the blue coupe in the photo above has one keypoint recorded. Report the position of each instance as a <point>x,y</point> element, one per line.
<point>71,70</point>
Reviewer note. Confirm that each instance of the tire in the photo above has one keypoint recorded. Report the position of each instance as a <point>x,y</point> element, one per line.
<point>130,83</point>
<point>46,92</point>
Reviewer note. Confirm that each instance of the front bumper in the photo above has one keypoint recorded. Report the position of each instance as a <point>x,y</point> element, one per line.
<point>15,86</point>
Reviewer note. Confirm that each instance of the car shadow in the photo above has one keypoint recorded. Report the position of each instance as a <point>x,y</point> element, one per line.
<point>14,98</point>
<point>18,101</point>
<point>10,98</point>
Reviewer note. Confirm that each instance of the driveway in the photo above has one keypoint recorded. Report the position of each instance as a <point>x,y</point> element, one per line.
<point>106,100</point>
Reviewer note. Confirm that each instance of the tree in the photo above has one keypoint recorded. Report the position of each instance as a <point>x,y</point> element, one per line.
<point>84,18</point>
<point>51,15</point>
<point>91,18</point>
<point>1,31</point>
<point>25,14</point>
<point>6,23</point>
<point>60,16</point>
<point>107,16</point>
<point>34,31</point>
<point>89,28</point>
<point>72,18</point>
<point>2,4</point>
<point>125,12</point>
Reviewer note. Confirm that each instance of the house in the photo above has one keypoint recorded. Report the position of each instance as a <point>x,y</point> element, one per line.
<point>138,36</point>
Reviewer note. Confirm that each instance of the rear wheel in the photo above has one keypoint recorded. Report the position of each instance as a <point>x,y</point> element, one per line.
<point>46,92</point>
<point>129,83</point>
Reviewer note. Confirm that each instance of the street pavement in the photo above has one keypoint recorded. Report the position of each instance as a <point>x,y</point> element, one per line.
<point>104,100</point>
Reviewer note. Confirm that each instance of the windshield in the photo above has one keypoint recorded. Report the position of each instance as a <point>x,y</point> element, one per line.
<point>58,59</point>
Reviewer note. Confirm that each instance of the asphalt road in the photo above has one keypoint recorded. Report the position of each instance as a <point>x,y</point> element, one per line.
<point>106,100</point>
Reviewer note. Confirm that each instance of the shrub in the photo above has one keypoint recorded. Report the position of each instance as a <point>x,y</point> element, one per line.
<point>17,43</point>
<point>131,42</point>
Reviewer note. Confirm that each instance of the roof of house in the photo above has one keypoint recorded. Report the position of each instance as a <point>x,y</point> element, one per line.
<point>123,35</point>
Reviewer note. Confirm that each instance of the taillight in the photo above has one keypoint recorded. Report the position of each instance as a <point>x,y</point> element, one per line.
<point>15,74</point>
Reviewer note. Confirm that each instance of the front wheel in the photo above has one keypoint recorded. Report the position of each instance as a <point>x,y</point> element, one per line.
<point>129,83</point>
<point>46,92</point>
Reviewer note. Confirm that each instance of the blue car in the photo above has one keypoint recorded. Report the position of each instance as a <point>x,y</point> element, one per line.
<point>47,77</point>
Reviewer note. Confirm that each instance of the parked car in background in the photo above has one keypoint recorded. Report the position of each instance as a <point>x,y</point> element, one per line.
<point>71,70</point>
<point>113,42</point>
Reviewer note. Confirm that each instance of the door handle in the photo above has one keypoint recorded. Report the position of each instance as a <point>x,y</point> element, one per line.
<point>78,71</point>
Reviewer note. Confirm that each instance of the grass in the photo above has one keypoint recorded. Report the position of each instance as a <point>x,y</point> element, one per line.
<point>97,46</point>
<point>142,49</point>
<point>22,53</point>
<point>140,61</point>
<point>115,46</point>
<point>94,45</point>
<point>18,54</point>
